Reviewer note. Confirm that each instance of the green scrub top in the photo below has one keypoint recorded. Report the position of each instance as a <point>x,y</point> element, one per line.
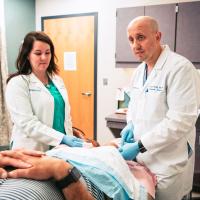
<point>59,108</point>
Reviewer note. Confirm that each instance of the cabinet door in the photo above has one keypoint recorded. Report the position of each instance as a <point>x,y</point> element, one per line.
<point>188,31</point>
<point>124,16</point>
<point>166,18</point>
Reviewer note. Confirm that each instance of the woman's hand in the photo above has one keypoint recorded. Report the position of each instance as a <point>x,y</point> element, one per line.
<point>72,141</point>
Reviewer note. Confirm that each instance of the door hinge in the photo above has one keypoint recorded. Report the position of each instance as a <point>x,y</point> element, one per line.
<point>176,9</point>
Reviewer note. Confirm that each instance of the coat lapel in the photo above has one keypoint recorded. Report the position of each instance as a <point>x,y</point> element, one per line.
<point>157,68</point>
<point>36,82</point>
<point>60,86</point>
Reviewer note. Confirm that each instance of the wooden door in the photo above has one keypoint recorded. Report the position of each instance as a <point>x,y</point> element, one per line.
<point>77,33</point>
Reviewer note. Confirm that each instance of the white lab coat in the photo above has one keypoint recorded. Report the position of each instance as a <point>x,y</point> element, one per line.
<point>31,107</point>
<point>164,112</point>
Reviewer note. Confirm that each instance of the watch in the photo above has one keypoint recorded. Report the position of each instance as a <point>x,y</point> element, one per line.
<point>72,177</point>
<point>142,149</point>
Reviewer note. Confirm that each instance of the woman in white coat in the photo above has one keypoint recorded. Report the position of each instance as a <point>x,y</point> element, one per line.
<point>37,99</point>
<point>162,112</point>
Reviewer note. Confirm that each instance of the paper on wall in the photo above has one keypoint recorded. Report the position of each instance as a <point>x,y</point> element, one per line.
<point>70,61</point>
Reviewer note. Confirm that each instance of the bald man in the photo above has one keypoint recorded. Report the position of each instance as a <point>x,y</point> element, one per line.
<point>163,109</point>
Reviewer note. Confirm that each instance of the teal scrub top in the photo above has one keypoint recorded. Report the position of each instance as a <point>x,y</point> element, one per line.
<point>59,108</point>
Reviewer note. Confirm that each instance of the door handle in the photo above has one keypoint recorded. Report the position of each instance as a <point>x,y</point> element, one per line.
<point>86,93</point>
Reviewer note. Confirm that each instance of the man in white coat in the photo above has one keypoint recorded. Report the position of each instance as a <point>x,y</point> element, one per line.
<point>163,109</point>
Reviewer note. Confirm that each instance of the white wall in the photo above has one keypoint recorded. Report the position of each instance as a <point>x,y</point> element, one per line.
<point>106,103</point>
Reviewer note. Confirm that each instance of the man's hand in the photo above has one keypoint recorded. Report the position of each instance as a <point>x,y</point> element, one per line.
<point>127,135</point>
<point>15,162</point>
<point>41,168</point>
<point>129,151</point>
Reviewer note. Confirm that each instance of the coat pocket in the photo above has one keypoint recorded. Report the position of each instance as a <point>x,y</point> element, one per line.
<point>155,104</point>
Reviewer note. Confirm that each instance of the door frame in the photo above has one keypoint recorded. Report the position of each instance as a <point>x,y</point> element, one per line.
<point>95,15</point>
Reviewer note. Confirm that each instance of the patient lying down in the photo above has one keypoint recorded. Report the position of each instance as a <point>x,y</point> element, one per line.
<point>103,166</point>
<point>141,173</point>
<point>106,168</point>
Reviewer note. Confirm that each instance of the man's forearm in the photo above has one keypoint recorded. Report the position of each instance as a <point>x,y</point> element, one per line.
<point>43,168</point>
<point>77,191</point>
<point>74,191</point>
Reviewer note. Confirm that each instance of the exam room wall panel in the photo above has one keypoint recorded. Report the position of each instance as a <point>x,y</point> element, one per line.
<point>19,19</point>
<point>117,77</point>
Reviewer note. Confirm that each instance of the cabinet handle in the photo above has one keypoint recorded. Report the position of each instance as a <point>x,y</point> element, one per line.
<point>86,93</point>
